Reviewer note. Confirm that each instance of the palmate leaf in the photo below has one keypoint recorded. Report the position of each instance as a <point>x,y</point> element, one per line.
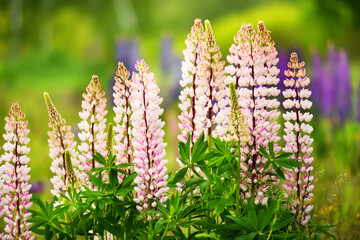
<point>178,176</point>
<point>200,146</point>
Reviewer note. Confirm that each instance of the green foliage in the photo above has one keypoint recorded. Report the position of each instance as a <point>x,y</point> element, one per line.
<point>206,208</point>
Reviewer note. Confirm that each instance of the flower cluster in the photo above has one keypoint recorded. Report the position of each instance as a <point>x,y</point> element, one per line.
<point>211,84</point>
<point>60,139</point>
<point>298,141</point>
<point>14,188</point>
<point>148,145</point>
<point>92,126</point>
<point>254,73</point>
<point>123,113</point>
<point>193,115</point>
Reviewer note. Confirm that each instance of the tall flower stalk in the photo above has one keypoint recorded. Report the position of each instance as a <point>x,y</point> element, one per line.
<point>297,138</point>
<point>192,97</point>
<point>92,126</point>
<point>122,110</point>
<point>148,145</point>
<point>211,79</point>
<point>240,133</point>
<point>60,139</point>
<point>14,172</point>
<point>254,73</point>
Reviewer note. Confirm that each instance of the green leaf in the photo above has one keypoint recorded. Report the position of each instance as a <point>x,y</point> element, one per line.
<point>100,159</point>
<point>280,224</point>
<point>270,211</point>
<point>284,235</point>
<point>284,155</point>
<point>221,207</point>
<point>199,149</point>
<point>123,191</point>
<point>179,175</point>
<point>288,162</point>
<point>279,172</point>
<point>264,152</point>
<point>184,153</point>
<point>271,150</point>
<point>243,222</point>
<point>253,221</point>
<point>249,236</point>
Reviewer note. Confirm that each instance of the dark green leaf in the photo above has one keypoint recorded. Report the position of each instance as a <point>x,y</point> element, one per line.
<point>279,172</point>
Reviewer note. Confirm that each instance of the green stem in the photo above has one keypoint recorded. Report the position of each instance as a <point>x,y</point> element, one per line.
<point>83,223</point>
<point>167,226</point>
<point>238,182</point>
<point>274,221</point>
<point>151,229</point>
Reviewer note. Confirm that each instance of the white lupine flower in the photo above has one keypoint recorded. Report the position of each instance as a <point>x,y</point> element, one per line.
<point>147,141</point>
<point>299,136</point>
<point>253,71</point>
<point>15,199</point>
<point>60,139</point>
<point>92,128</point>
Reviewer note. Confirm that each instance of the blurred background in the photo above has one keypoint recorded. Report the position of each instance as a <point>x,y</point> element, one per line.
<point>55,46</point>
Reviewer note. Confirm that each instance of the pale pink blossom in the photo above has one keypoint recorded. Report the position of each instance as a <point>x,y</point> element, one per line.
<point>92,127</point>
<point>122,109</point>
<point>298,140</point>
<point>253,71</point>
<point>149,148</point>
<point>14,183</point>
<point>60,139</point>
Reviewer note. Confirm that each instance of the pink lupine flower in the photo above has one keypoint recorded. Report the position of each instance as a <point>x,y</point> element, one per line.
<point>122,110</point>
<point>254,73</point>
<point>92,127</point>
<point>15,197</point>
<point>211,85</point>
<point>147,142</point>
<point>60,139</point>
<point>192,97</point>
<point>298,141</point>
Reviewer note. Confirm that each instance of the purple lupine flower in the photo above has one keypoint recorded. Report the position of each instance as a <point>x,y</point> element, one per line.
<point>60,139</point>
<point>317,81</point>
<point>37,187</point>
<point>127,52</point>
<point>171,70</point>
<point>253,71</point>
<point>149,148</point>
<point>92,127</point>
<point>330,85</point>
<point>343,87</point>
<point>298,140</point>
<point>14,171</point>
<point>282,65</point>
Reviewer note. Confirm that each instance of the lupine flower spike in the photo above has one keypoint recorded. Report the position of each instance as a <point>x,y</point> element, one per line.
<point>211,85</point>
<point>237,128</point>
<point>298,141</point>
<point>73,181</point>
<point>193,98</point>
<point>92,126</point>
<point>15,196</point>
<point>253,70</point>
<point>122,110</point>
<point>148,145</point>
<point>60,139</point>
<point>193,118</point>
